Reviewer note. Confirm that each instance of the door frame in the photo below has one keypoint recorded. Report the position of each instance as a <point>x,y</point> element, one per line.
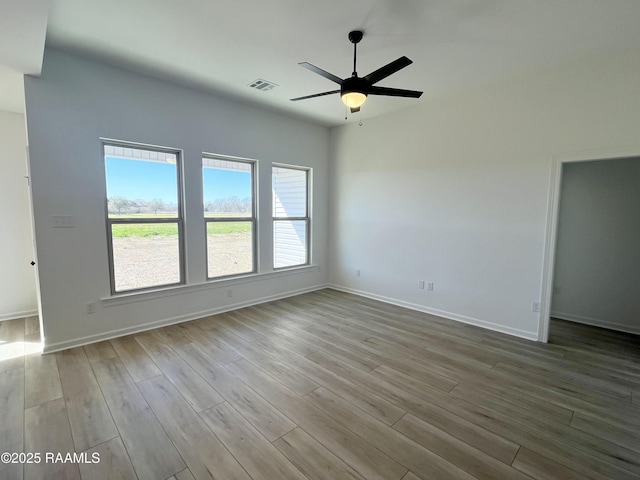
<point>35,249</point>
<point>551,231</point>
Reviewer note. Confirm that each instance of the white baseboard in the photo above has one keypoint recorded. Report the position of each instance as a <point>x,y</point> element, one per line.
<point>15,315</point>
<point>594,322</point>
<point>441,313</point>
<point>77,342</point>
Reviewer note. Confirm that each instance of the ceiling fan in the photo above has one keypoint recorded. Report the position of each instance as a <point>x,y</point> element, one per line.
<point>354,89</point>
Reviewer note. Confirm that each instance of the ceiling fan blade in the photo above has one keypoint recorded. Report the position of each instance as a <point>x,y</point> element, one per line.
<point>315,95</point>
<point>394,92</point>
<point>321,72</point>
<point>355,110</point>
<point>390,68</point>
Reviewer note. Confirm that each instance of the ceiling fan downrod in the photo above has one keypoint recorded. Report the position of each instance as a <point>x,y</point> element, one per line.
<point>354,37</point>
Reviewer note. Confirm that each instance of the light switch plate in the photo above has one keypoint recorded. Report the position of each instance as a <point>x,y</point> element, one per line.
<point>64,221</point>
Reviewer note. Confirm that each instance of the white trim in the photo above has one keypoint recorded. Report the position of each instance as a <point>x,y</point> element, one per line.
<point>549,253</point>
<point>77,342</point>
<point>16,315</point>
<point>441,313</point>
<point>594,322</point>
<point>551,232</point>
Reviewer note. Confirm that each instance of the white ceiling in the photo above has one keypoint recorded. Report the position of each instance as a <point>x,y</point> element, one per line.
<point>23,24</point>
<point>223,45</point>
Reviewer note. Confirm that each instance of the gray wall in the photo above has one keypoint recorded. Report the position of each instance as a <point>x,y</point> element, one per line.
<point>597,269</point>
<point>72,105</point>
<point>455,190</point>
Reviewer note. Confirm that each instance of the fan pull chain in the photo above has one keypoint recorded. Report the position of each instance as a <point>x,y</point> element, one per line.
<point>360,112</point>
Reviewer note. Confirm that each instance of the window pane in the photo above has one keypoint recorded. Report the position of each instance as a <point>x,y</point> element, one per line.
<point>145,255</point>
<point>229,248</point>
<point>141,183</point>
<point>289,192</point>
<point>289,243</point>
<point>227,190</point>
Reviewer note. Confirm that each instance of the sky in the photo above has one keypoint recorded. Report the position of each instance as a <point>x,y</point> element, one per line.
<point>140,180</point>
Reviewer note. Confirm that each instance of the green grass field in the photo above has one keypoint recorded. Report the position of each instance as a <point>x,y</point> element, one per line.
<point>165,229</point>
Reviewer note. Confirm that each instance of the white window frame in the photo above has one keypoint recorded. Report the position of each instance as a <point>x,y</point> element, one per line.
<point>253,219</point>
<point>306,218</point>
<point>179,220</point>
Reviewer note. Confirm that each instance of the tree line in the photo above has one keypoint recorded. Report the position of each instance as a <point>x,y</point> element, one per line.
<point>123,205</point>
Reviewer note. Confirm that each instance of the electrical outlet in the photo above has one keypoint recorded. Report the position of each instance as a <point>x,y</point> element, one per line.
<point>91,307</point>
<point>556,290</point>
<point>421,284</point>
<point>430,287</point>
<point>535,307</point>
<point>357,272</point>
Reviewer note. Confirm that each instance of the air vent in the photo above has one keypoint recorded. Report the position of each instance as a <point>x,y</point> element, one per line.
<point>262,85</point>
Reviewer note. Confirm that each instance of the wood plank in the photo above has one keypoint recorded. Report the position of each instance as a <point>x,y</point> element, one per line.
<point>266,327</point>
<point>206,339</point>
<point>329,361</point>
<point>204,454</point>
<point>254,452</point>
<point>569,409</point>
<point>282,371</point>
<point>428,367</point>
<point>386,439</point>
<point>11,419</point>
<point>192,386</point>
<point>32,326</point>
<point>184,475</point>
<point>223,323</point>
<point>151,452</point>
<point>91,422</point>
<point>625,437</point>
<point>493,396</point>
<point>459,453</point>
<point>173,335</point>
<point>99,351</point>
<point>268,420</point>
<point>557,378</point>
<point>11,344</point>
<point>355,359</point>
<point>47,431</point>
<point>113,462</point>
<point>410,476</point>
<point>312,459</point>
<point>42,380</point>
<point>390,334</point>
<point>621,376</point>
<point>542,468</point>
<point>601,360</point>
<point>368,401</point>
<point>138,363</point>
<point>434,410</point>
<point>557,441</point>
<point>360,455</point>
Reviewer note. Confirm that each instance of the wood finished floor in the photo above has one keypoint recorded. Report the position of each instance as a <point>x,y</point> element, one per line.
<point>325,386</point>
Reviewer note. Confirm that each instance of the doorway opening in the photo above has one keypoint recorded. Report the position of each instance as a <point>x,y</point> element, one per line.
<point>588,265</point>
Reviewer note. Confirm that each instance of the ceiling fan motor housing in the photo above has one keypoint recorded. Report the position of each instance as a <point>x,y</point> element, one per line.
<point>355,36</point>
<point>355,84</point>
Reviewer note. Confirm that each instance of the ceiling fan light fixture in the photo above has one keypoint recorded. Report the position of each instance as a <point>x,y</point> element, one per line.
<point>353,99</point>
<point>355,89</point>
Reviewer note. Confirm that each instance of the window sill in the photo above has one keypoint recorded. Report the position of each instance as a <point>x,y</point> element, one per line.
<point>127,298</point>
